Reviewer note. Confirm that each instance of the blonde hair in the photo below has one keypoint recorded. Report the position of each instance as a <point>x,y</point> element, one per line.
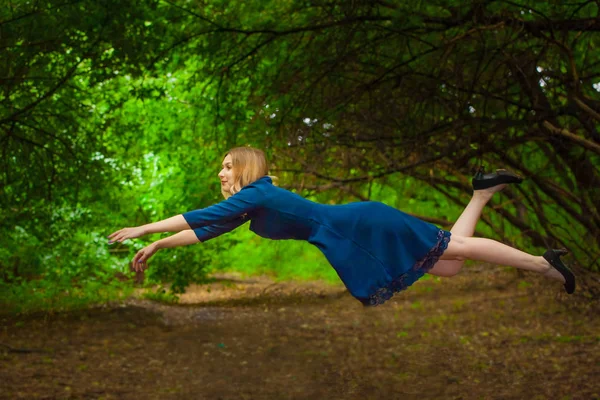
<point>249,164</point>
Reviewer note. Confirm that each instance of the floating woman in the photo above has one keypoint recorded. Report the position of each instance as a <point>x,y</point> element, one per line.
<point>375,249</point>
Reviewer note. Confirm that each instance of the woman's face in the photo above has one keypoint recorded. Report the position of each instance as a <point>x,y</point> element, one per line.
<point>226,174</point>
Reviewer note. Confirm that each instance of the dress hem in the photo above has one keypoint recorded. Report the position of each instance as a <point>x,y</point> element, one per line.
<point>403,281</point>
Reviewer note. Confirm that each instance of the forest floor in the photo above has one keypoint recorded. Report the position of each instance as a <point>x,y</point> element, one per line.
<point>485,334</point>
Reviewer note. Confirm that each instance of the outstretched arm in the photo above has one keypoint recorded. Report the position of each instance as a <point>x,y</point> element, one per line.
<point>234,207</point>
<point>183,238</point>
<point>173,224</point>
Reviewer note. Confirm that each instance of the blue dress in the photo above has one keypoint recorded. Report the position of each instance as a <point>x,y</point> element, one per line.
<point>375,249</point>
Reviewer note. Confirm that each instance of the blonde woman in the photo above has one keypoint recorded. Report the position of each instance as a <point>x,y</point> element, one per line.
<point>376,250</point>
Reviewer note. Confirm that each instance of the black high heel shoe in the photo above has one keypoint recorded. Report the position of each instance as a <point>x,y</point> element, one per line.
<point>481,180</point>
<point>553,257</point>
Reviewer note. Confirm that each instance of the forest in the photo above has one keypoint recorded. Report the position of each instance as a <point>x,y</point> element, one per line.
<point>119,113</point>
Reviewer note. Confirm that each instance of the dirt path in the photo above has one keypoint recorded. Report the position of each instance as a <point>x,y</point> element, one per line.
<point>482,335</point>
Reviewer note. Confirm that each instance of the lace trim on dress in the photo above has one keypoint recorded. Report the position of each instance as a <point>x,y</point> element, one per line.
<point>419,269</point>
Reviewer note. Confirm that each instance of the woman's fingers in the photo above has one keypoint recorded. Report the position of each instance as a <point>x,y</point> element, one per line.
<point>135,261</point>
<point>139,266</point>
<point>126,233</point>
<point>120,235</point>
<point>112,235</point>
<point>142,265</point>
<point>140,260</point>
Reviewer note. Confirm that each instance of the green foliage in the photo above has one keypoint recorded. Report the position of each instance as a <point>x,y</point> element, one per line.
<point>70,270</point>
<point>53,294</point>
<point>161,295</point>
<point>282,260</point>
<point>117,114</point>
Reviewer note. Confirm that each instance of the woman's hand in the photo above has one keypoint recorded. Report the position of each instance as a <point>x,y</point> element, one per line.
<point>141,258</point>
<point>126,233</point>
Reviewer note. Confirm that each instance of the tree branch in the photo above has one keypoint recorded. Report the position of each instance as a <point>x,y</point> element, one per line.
<point>572,137</point>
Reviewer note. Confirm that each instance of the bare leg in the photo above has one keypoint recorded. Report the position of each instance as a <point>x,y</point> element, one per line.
<point>465,226</point>
<point>488,250</point>
<point>463,246</point>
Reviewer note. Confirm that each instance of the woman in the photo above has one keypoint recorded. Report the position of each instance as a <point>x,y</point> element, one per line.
<point>376,250</point>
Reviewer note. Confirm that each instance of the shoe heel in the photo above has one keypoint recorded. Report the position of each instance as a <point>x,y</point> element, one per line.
<point>553,258</point>
<point>479,173</point>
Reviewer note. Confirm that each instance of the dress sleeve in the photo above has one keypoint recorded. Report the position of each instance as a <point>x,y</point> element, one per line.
<point>212,231</point>
<point>243,202</point>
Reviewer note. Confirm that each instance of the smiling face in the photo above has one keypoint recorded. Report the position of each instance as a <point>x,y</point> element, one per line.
<point>241,166</point>
<point>226,174</point>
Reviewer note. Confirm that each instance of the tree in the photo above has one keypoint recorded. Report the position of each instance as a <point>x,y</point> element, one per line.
<point>364,90</point>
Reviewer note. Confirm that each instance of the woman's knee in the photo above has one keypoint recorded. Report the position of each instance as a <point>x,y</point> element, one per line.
<point>446,269</point>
